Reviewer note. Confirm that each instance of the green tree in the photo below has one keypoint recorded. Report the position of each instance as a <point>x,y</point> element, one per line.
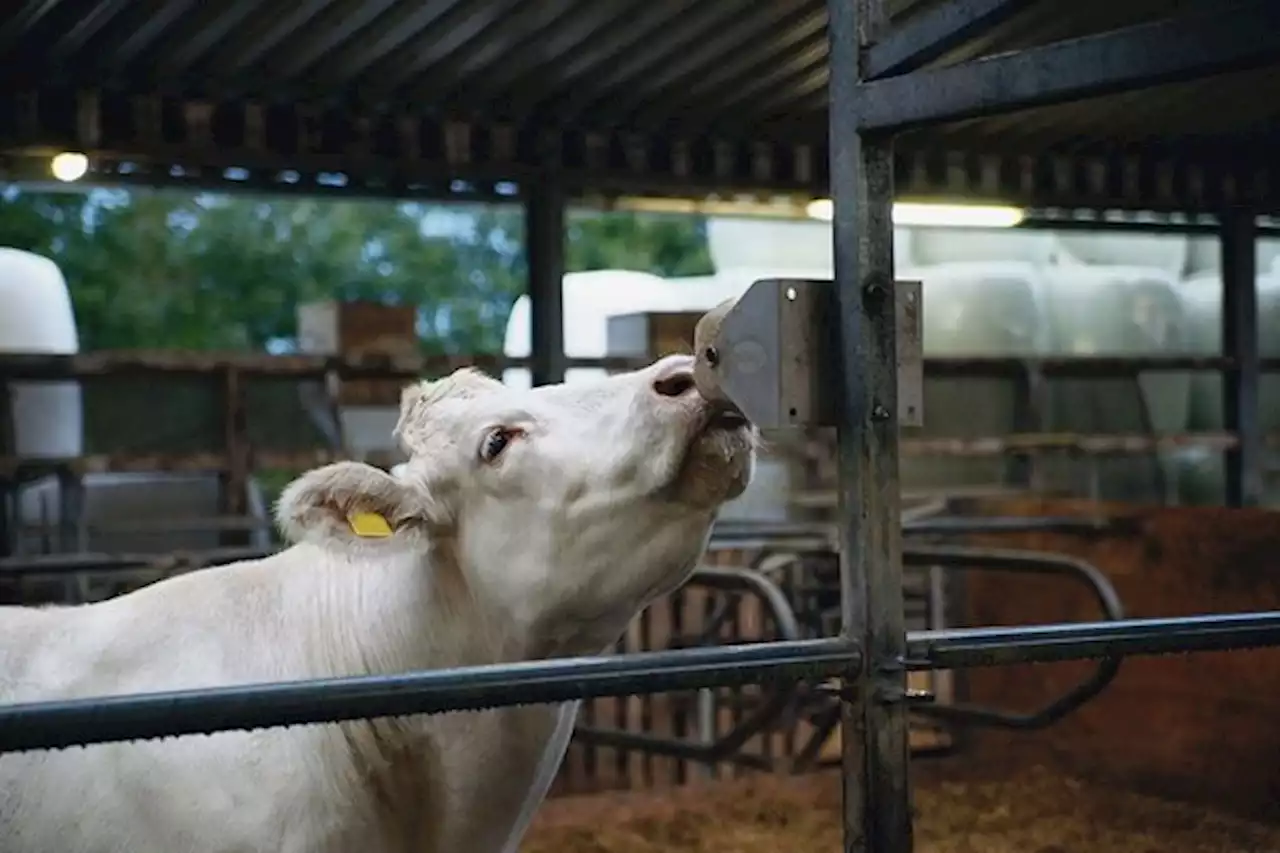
<point>663,245</point>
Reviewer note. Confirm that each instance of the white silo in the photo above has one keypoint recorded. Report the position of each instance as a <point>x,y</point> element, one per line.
<point>36,316</point>
<point>1201,472</point>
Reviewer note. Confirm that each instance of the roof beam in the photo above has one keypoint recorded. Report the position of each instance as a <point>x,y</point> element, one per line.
<point>674,78</point>
<point>146,34</point>
<point>200,38</point>
<point>385,40</point>
<point>695,23</point>
<point>932,34</point>
<point>84,29</point>
<point>1235,37</point>
<point>246,52</point>
<point>24,19</point>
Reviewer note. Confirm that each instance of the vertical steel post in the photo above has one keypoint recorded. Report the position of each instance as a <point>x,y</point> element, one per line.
<point>544,235</point>
<point>877,809</point>
<point>1239,236</point>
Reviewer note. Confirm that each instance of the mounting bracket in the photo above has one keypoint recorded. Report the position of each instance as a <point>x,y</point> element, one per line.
<point>773,353</point>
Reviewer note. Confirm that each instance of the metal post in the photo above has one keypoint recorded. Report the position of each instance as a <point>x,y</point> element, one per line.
<point>1240,342</point>
<point>877,813</point>
<point>544,241</point>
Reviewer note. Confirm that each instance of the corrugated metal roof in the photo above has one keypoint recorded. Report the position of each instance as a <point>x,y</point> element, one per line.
<point>741,70</point>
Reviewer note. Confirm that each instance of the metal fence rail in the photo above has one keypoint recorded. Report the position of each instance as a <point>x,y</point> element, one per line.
<point>55,725</point>
<point>970,647</point>
<point>46,725</point>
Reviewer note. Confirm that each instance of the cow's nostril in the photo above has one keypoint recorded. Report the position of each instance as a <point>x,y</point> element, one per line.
<point>674,384</point>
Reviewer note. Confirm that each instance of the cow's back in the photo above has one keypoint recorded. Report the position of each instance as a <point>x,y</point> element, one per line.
<point>198,793</point>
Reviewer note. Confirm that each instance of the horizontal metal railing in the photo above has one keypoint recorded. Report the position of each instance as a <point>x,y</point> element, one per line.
<point>970,647</point>
<point>46,725</point>
<point>116,718</point>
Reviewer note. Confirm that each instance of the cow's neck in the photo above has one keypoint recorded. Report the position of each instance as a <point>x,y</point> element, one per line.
<point>405,612</point>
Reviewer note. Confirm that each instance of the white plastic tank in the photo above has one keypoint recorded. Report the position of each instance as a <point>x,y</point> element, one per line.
<point>781,244</point>
<point>36,316</point>
<point>1165,252</point>
<point>589,299</point>
<point>1118,310</point>
<point>1201,472</point>
<point>929,246</point>
<point>973,308</point>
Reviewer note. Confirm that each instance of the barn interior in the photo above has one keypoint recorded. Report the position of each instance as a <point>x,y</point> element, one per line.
<point>1099,414</point>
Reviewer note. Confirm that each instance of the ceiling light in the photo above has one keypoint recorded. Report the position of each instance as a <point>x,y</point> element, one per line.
<point>935,215</point>
<point>69,166</point>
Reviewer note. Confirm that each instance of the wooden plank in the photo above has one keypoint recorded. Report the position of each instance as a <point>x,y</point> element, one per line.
<point>361,329</point>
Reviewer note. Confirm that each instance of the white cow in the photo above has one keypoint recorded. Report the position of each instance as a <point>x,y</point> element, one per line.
<point>527,524</point>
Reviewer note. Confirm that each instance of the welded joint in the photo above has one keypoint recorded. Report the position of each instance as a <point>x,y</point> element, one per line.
<point>897,695</point>
<point>882,694</point>
<point>889,686</point>
<point>886,688</point>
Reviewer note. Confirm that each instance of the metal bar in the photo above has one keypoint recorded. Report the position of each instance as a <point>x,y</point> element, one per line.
<point>186,524</point>
<point>301,460</point>
<point>1074,443</point>
<point>783,534</point>
<point>101,720</point>
<point>1240,388</point>
<point>1025,562</point>
<point>54,725</point>
<point>1233,37</point>
<point>873,727</point>
<point>101,563</point>
<point>43,366</point>
<point>970,647</point>
<point>996,524</point>
<point>931,34</point>
<point>544,241</point>
<point>728,747</point>
<point>40,366</point>
<point>1075,367</point>
<point>233,482</point>
<point>678,748</point>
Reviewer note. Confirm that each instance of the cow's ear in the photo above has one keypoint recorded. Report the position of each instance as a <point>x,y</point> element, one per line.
<point>350,502</point>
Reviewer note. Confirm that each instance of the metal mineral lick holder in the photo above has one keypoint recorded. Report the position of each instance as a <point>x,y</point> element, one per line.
<point>773,353</point>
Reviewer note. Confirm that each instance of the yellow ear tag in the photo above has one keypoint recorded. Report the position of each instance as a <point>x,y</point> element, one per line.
<point>369,525</point>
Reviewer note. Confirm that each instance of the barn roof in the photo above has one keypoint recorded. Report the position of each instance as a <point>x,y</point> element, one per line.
<point>659,96</point>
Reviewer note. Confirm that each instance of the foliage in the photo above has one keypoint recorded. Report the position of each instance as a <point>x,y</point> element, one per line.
<point>171,270</point>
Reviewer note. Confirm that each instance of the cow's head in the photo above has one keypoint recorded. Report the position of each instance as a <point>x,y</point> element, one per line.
<point>574,505</point>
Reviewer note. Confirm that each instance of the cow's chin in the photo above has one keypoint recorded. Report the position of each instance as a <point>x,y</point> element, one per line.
<point>717,467</point>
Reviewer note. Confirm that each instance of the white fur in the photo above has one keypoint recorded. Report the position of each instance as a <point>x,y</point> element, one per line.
<point>603,503</point>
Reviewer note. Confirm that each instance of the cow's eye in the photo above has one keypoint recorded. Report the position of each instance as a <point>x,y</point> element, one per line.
<point>495,441</point>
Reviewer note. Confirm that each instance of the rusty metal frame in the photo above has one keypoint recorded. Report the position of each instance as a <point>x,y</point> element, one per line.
<point>929,35</point>
<point>1217,38</point>
<point>862,115</point>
